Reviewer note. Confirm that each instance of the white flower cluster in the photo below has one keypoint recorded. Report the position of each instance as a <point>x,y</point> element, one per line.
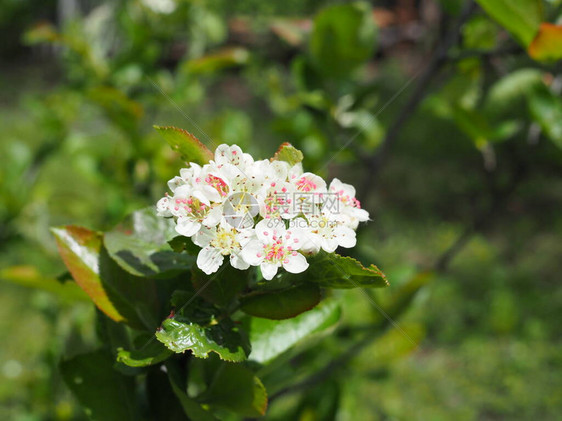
<point>260,213</point>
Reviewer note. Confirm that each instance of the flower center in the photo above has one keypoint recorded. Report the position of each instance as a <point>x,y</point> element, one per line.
<point>277,251</point>
<point>277,203</point>
<point>304,184</point>
<point>191,207</point>
<point>347,199</point>
<point>324,227</point>
<point>218,183</point>
<point>225,241</point>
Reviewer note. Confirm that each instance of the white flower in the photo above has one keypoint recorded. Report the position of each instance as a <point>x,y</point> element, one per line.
<point>326,231</point>
<point>276,200</point>
<point>163,207</point>
<point>272,171</point>
<point>310,190</point>
<point>187,176</point>
<point>295,171</point>
<point>193,210</point>
<point>348,205</point>
<point>240,209</point>
<point>275,247</point>
<point>219,241</point>
<point>215,186</point>
<point>219,203</point>
<point>309,183</point>
<point>232,155</point>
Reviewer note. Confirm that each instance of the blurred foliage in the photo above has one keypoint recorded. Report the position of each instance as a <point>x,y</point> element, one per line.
<point>476,166</point>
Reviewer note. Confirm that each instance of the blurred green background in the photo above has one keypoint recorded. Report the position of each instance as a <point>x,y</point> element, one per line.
<point>450,131</point>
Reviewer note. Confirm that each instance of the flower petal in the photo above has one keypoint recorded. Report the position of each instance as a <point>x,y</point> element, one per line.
<point>238,262</point>
<point>225,154</point>
<point>269,228</point>
<point>361,214</point>
<point>204,236</point>
<point>345,236</point>
<point>336,185</point>
<point>310,243</point>
<point>253,253</point>
<point>295,263</point>
<point>329,245</point>
<point>175,182</point>
<point>209,260</point>
<point>187,226</point>
<point>163,207</point>
<point>268,270</point>
<point>245,236</point>
<point>214,217</point>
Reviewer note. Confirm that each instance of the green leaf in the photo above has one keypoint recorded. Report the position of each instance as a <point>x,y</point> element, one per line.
<point>163,403</point>
<point>152,353</point>
<point>271,338</point>
<point>520,17</point>
<point>477,126</point>
<point>190,407</point>
<point>188,146</point>
<point>121,296</point>
<point>140,246</point>
<point>223,59</point>
<point>104,393</point>
<point>224,286</point>
<point>510,91</point>
<point>288,153</point>
<point>80,250</point>
<point>237,389</point>
<point>283,304</point>
<point>330,270</point>
<point>547,45</point>
<point>29,276</point>
<point>343,37</point>
<point>223,338</point>
<point>546,110</point>
<point>181,243</point>
<point>480,33</point>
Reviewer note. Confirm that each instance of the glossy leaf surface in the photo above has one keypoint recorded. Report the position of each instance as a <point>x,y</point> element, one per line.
<point>331,270</point>
<point>520,17</point>
<point>140,245</point>
<point>282,304</point>
<point>236,388</point>
<point>151,353</point>
<point>288,153</point>
<point>187,145</point>
<point>271,338</point>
